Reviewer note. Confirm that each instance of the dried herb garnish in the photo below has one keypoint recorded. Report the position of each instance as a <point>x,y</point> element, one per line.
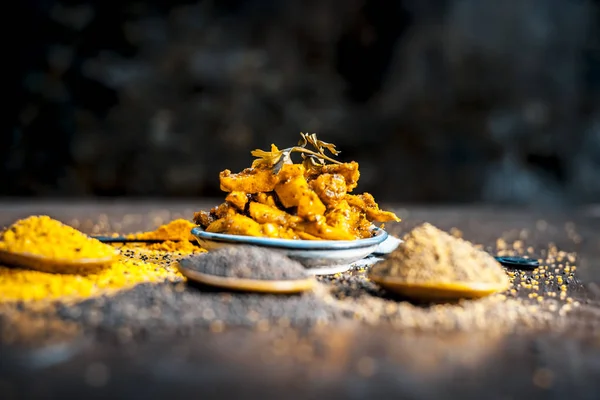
<point>276,158</point>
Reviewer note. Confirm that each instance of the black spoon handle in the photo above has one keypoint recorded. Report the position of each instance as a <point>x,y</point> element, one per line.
<point>123,239</point>
<point>518,262</point>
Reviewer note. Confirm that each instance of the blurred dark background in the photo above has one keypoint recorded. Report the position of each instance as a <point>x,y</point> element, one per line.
<point>438,100</point>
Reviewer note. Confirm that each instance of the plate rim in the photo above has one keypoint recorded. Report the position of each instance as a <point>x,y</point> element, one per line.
<point>292,244</point>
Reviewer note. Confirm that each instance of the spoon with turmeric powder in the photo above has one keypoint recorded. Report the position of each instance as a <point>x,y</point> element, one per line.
<point>45,244</point>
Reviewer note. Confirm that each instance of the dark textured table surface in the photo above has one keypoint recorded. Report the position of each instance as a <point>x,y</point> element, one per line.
<point>344,360</point>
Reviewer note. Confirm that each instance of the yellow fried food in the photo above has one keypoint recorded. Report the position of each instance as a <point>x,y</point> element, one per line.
<point>348,170</point>
<point>344,216</point>
<point>265,214</point>
<point>308,201</point>
<point>321,229</point>
<point>236,224</point>
<point>237,199</point>
<point>293,191</point>
<point>367,203</point>
<point>250,180</point>
<point>331,188</point>
<point>204,218</point>
<point>265,198</point>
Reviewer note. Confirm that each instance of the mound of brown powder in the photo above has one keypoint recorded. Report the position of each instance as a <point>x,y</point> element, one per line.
<point>429,255</point>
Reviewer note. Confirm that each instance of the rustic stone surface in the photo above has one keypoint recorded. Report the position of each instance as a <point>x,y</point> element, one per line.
<point>312,359</point>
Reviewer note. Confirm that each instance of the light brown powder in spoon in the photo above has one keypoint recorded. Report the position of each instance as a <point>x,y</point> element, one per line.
<point>430,255</point>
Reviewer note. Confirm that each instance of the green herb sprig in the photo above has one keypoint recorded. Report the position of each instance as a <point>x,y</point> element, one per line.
<point>312,159</point>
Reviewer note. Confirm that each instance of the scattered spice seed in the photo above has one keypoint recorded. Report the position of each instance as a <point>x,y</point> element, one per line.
<point>495,313</point>
<point>429,255</point>
<point>246,262</point>
<point>188,311</point>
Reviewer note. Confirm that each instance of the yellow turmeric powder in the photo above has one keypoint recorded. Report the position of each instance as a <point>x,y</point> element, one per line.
<point>47,237</point>
<point>41,235</point>
<point>176,230</point>
<point>182,247</point>
<point>18,284</point>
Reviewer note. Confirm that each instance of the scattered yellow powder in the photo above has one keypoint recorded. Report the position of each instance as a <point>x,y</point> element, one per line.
<point>181,247</point>
<point>47,237</point>
<point>175,230</point>
<point>22,284</point>
<point>429,255</point>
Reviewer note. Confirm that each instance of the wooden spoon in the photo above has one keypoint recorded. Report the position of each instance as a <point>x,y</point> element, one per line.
<point>440,291</point>
<point>57,265</point>
<point>249,285</point>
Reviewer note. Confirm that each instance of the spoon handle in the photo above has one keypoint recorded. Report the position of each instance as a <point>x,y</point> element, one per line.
<point>123,239</point>
<point>518,262</point>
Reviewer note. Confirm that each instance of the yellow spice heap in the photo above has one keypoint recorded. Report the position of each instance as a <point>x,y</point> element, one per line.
<point>175,236</point>
<point>168,246</point>
<point>47,237</point>
<point>176,230</point>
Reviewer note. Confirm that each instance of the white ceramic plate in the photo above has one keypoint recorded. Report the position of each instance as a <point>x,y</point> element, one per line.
<point>320,257</point>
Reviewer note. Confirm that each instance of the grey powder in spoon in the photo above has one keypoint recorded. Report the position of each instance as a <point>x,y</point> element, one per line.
<point>246,262</point>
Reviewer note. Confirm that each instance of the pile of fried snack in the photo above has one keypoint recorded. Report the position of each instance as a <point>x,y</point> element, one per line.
<point>280,199</point>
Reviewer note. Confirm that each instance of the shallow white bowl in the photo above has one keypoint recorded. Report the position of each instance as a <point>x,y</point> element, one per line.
<point>320,257</point>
